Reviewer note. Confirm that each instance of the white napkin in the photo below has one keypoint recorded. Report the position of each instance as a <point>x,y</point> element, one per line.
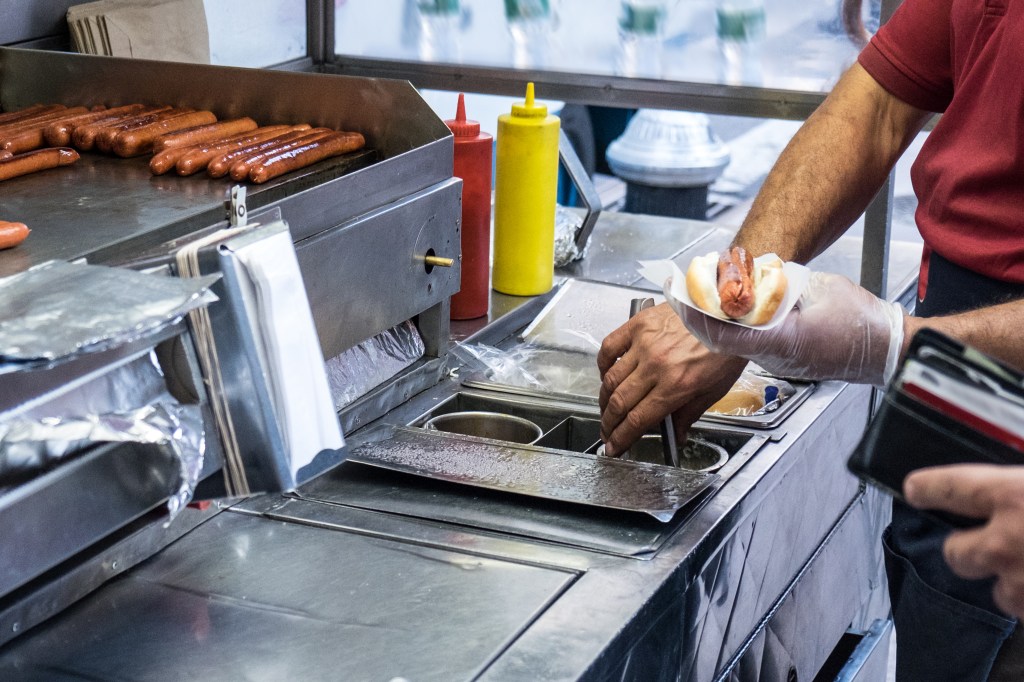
<point>666,274</point>
<point>295,364</point>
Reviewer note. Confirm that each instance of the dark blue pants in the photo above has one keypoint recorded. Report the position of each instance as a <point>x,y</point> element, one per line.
<point>947,628</point>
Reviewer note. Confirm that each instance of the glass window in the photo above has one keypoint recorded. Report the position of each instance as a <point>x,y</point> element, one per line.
<point>786,44</point>
<point>256,33</point>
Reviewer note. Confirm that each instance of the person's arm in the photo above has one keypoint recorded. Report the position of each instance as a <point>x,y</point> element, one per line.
<point>831,169</point>
<point>823,180</point>
<point>994,494</point>
<point>996,330</point>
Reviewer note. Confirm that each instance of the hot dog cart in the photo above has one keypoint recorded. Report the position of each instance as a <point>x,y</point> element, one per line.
<point>404,562</point>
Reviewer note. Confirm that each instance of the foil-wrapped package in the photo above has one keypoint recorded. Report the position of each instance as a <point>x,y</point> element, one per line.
<point>28,446</point>
<point>567,224</point>
<point>58,309</point>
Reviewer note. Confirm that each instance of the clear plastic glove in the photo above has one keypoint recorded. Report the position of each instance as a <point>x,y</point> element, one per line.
<point>838,331</point>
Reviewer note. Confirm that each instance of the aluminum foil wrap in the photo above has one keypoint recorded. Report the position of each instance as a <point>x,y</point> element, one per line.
<point>28,446</point>
<point>122,389</point>
<point>362,368</point>
<point>57,309</point>
<point>567,224</point>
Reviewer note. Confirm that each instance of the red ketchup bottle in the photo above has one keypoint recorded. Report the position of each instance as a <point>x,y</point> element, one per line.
<point>473,151</point>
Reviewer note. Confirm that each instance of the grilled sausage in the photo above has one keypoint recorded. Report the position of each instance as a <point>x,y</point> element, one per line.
<point>140,140</point>
<point>196,159</point>
<point>12,234</point>
<point>42,159</point>
<point>29,112</point>
<point>30,136</point>
<point>221,165</point>
<point>59,134</point>
<point>105,138</point>
<point>84,137</point>
<point>5,155</point>
<point>168,159</point>
<point>16,127</point>
<point>203,133</point>
<point>300,157</point>
<point>240,169</point>
<point>735,285</point>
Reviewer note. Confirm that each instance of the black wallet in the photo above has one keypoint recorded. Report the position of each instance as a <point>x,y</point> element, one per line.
<point>948,404</point>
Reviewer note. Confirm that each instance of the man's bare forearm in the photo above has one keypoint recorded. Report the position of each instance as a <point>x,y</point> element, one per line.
<point>830,170</point>
<point>996,330</point>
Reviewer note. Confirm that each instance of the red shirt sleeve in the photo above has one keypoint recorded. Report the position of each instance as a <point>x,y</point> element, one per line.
<point>911,55</point>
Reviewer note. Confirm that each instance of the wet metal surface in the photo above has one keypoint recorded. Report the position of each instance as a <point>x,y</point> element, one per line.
<point>536,472</point>
<point>615,532</point>
<point>243,597</point>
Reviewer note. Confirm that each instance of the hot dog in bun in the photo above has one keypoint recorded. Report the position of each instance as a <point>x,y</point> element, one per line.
<point>730,286</point>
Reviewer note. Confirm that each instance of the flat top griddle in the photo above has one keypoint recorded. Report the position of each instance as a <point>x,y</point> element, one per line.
<point>103,207</point>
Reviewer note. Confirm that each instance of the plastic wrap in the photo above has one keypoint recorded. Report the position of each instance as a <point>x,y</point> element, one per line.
<point>538,368</point>
<point>753,395</point>
<point>567,224</point>
<point>58,309</point>
<point>358,370</point>
<point>28,446</point>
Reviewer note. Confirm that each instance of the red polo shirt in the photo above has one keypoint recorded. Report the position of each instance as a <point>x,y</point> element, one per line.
<point>964,58</point>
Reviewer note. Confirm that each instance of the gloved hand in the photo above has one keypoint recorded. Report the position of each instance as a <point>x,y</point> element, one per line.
<point>838,331</point>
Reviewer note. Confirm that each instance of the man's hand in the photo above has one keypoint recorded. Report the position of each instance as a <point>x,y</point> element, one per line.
<point>993,493</point>
<point>651,367</point>
<point>839,331</point>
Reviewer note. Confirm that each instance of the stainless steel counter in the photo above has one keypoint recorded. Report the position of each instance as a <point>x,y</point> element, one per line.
<point>375,575</point>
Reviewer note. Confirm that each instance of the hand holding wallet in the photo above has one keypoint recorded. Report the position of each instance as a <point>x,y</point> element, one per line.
<point>948,404</point>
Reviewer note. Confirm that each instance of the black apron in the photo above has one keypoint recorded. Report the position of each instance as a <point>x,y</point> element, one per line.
<point>947,628</point>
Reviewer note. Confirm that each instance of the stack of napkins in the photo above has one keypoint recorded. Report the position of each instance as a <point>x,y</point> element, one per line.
<point>172,30</point>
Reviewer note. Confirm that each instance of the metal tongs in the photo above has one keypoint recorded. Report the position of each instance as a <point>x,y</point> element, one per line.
<point>668,428</point>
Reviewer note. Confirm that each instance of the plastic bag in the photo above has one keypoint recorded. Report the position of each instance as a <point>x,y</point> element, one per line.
<point>538,368</point>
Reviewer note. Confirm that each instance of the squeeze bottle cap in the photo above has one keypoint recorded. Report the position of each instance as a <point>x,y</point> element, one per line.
<point>528,109</point>
<point>459,125</point>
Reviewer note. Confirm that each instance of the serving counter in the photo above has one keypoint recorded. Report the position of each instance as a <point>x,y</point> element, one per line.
<point>366,573</point>
<point>376,568</point>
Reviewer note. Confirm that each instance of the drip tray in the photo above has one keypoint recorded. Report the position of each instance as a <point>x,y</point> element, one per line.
<point>554,490</point>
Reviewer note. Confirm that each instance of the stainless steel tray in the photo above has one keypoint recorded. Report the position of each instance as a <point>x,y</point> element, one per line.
<point>538,472</point>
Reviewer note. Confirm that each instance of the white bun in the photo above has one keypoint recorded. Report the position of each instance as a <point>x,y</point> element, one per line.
<point>769,288</point>
<point>702,285</point>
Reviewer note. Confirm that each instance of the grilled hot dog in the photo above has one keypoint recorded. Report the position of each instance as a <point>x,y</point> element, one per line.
<point>196,158</point>
<point>12,234</point>
<point>203,133</point>
<point>735,285</point>
<point>42,159</point>
<point>732,286</point>
<point>300,157</point>
<point>140,140</point>
<point>30,136</point>
<point>59,134</point>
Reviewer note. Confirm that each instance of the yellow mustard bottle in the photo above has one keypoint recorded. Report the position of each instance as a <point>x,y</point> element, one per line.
<point>525,185</point>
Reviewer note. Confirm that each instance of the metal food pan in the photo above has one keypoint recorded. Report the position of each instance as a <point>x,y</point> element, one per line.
<point>768,420</point>
<point>575,427</point>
